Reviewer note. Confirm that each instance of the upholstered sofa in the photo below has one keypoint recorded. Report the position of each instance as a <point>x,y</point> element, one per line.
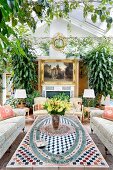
<point>103,128</point>
<point>10,128</point>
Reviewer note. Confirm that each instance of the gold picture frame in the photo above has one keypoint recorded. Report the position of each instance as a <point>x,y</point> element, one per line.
<point>58,72</point>
<point>59,42</point>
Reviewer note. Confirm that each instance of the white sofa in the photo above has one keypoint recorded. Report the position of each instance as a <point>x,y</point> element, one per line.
<point>9,129</point>
<point>103,128</point>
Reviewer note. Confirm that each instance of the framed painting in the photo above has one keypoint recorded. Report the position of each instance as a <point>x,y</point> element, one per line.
<point>58,71</point>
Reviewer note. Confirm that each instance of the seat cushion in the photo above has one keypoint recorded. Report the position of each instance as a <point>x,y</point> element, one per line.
<point>40,112</point>
<point>19,120</point>
<point>105,127</point>
<point>71,111</point>
<point>2,138</point>
<point>7,129</point>
<point>19,112</point>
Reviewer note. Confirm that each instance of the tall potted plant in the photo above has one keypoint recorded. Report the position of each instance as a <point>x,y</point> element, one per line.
<point>100,68</point>
<point>24,68</point>
<point>24,71</point>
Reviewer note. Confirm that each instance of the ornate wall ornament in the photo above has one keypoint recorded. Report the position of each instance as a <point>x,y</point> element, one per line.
<point>59,42</point>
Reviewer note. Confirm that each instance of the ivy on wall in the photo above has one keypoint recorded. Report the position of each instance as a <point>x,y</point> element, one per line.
<point>75,46</point>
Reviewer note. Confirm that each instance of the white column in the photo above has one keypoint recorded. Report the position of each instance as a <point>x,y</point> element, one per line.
<point>4,87</point>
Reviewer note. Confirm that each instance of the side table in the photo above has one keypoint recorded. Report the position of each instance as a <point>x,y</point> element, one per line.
<point>90,109</point>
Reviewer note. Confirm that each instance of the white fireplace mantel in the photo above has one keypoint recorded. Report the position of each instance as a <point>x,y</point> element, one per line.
<point>61,88</point>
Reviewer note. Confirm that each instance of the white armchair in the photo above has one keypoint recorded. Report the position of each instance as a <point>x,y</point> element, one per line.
<point>38,109</point>
<point>76,108</point>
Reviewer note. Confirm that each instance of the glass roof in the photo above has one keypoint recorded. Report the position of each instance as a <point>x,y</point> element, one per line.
<point>78,14</point>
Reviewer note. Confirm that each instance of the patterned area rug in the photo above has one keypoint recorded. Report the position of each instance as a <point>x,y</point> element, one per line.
<point>5,159</point>
<point>73,148</point>
<point>7,156</point>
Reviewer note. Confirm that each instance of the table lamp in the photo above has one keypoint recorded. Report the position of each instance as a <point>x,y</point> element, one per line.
<point>89,94</point>
<point>20,94</point>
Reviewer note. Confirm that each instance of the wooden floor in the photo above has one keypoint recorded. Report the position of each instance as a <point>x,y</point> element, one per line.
<point>29,120</point>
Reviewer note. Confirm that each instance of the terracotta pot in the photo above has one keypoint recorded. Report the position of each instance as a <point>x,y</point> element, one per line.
<point>55,121</point>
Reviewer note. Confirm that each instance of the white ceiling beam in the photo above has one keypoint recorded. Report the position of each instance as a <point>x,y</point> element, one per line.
<point>88,27</point>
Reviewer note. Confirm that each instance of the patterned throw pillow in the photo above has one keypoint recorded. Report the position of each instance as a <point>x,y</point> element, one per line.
<point>6,112</point>
<point>108,113</point>
<point>38,107</point>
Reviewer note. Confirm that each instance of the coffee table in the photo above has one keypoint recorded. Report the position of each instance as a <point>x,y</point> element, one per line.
<point>68,148</point>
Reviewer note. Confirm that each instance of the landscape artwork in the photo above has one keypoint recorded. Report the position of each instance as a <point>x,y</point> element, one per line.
<point>58,71</point>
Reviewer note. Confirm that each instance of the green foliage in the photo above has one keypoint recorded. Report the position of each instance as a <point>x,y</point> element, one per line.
<point>100,68</point>
<point>44,46</point>
<point>12,12</point>
<point>61,96</point>
<point>89,102</point>
<point>13,102</point>
<point>61,9</point>
<point>111,94</point>
<point>30,98</point>
<point>78,46</point>
<point>20,12</point>
<point>75,46</point>
<point>24,68</point>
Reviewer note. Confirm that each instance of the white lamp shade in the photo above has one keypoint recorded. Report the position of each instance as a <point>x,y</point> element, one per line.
<point>89,93</point>
<point>20,93</point>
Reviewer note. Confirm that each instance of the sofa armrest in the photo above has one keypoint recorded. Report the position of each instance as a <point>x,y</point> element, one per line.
<point>19,112</point>
<point>96,113</point>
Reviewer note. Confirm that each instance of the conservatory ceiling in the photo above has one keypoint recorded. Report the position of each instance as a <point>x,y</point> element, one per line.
<point>97,29</point>
<point>76,19</point>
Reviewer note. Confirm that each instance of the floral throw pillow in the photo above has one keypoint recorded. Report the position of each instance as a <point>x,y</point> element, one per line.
<point>108,113</point>
<point>6,112</point>
<point>38,107</point>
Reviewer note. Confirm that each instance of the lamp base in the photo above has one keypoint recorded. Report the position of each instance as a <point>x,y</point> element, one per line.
<point>21,105</point>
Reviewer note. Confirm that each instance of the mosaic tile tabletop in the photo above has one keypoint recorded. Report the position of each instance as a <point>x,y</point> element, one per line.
<point>69,147</point>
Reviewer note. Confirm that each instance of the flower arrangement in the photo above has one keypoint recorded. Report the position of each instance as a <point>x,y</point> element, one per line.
<point>56,106</point>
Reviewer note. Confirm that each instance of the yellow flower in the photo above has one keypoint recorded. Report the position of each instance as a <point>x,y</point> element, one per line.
<point>55,106</point>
